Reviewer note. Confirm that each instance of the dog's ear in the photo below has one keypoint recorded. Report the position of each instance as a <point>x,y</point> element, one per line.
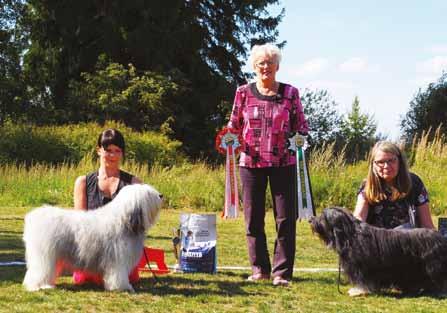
<point>136,224</point>
<point>341,240</point>
<point>343,229</point>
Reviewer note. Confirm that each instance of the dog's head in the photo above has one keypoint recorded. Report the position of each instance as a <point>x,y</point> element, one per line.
<point>335,226</point>
<point>142,204</point>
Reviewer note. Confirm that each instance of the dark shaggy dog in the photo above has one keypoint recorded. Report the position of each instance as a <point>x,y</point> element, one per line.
<point>378,259</point>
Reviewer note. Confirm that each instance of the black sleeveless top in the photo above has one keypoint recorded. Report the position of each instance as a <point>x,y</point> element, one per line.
<point>95,197</point>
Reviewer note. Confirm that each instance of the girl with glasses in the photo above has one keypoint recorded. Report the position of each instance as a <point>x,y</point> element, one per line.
<point>391,196</point>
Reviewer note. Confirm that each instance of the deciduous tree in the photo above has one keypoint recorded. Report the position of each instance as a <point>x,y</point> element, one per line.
<point>323,116</point>
<point>427,110</point>
<point>13,41</point>
<point>199,45</point>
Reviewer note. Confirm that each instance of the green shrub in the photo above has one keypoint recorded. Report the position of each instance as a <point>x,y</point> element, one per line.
<point>28,144</point>
<point>143,100</point>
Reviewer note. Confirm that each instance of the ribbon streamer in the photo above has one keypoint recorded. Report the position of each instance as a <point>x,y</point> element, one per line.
<point>228,142</point>
<point>306,209</point>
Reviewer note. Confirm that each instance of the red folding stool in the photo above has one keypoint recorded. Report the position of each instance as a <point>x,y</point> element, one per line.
<point>152,255</point>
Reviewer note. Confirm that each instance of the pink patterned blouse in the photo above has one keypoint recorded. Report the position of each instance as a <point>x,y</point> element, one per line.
<point>266,123</point>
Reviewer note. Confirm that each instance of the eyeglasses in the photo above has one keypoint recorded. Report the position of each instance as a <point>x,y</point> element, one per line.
<point>264,64</point>
<point>381,163</point>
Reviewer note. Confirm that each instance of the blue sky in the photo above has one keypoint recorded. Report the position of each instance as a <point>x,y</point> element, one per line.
<point>381,51</point>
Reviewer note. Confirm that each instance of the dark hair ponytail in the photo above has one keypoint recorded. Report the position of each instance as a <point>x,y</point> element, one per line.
<point>111,136</point>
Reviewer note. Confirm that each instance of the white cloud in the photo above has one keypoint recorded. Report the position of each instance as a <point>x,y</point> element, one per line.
<point>434,65</point>
<point>422,81</point>
<point>438,49</point>
<point>334,86</point>
<point>357,65</point>
<point>311,67</point>
<point>343,92</point>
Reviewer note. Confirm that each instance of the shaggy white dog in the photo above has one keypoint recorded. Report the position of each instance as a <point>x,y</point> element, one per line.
<point>108,241</point>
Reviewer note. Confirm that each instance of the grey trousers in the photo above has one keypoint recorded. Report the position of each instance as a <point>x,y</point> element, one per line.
<point>282,187</point>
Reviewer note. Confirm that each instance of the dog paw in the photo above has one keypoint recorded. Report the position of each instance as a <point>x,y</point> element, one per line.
<point>357,292</point>
<point>121,286</point>
<point>33,288</point>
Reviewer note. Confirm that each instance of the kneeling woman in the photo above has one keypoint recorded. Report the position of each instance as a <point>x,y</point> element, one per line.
<point>96,189</point>
<point>391,196</point>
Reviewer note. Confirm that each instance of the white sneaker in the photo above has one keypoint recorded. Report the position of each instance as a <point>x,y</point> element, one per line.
<point>357,291</point>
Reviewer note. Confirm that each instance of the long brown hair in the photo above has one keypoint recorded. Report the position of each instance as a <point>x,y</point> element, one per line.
<point>375,187</point>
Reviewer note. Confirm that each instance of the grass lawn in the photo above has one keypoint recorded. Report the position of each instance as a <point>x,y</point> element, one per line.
<point>226,291</point>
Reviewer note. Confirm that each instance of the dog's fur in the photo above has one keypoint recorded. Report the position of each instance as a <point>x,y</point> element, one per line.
<point>108,241</point>
<point>377,259</point>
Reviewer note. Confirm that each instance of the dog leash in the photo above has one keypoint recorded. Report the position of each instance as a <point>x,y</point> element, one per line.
<point>157,280</point>
<point>339,276</point>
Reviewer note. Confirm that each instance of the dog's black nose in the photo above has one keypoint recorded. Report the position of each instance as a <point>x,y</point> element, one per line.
<point>161,196</point>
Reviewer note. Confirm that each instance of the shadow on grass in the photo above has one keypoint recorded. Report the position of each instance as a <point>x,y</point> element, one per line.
<point>11,218</point>
<point>212,285</point>
<point>158,237</point>
<point>11,246</point>
<point>395,294</point>
<point>191,287</point>
<point>11,250</point>
<point>12,232</point>
<point>312,278</point>
<point>391,294</point>
<point>400,295</point>
<point>12,274</point>
<point>175,285</point>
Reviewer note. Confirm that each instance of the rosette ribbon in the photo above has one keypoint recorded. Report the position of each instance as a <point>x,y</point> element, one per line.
<point>228,142</point>
<point>305,206</point>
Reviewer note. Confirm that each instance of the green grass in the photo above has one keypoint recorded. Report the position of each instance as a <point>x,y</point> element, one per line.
<point>199,188</point>
<point>226,291</point>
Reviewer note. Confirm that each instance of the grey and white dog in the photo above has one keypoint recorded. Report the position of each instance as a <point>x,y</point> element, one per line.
<point>108,241</point>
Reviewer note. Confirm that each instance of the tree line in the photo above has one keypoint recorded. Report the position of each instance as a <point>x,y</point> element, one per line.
<point>170,66</point>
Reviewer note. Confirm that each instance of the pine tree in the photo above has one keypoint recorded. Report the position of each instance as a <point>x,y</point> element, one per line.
<point>357,132</point>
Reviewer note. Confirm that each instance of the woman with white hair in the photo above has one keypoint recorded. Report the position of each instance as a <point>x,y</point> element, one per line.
<point>267,113</point>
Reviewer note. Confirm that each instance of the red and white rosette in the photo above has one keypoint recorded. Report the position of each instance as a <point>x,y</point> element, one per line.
<point>229,142</point>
